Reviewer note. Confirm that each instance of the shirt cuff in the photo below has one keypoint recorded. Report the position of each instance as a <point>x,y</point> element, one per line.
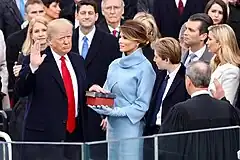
<point>33,69</point>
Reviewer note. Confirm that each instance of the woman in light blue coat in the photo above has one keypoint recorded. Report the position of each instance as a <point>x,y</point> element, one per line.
<point>131,78</point>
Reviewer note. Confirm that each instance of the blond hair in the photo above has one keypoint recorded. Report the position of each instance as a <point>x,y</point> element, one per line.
<point>56,25</point>
<point>167,48</point>
<point>150,23</point>
<point>229,51</point>
<point>29,41</point>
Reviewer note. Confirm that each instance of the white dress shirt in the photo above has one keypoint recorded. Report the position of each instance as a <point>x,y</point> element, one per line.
<point>72,74</point>
<point>89,37</point>
<point>198,54</point>
<point>117,29</point>
<point>172,76</point>
<point>184,2</point>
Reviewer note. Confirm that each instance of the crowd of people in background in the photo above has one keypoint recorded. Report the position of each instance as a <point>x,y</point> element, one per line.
<point>172,64</point>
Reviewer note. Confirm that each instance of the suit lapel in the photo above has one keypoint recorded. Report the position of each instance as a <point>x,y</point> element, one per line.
<point>206,55</point>
<point>54,69</point>
<point>178,78</point>
<point>105,27</point>
<point>15,11</point>
<point>77,70</point>
<point>160,76</point>
<point>94,47</point>
<point>75,43</point>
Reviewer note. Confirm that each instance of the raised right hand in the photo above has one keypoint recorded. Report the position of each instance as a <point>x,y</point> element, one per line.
<point>36,58</point>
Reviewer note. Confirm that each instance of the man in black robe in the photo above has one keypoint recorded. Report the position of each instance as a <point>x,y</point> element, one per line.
<point>200,112</point>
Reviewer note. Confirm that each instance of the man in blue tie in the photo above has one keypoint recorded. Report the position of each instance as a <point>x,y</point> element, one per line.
<point>98,49</point>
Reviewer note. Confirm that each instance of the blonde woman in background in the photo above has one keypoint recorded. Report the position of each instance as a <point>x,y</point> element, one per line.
<point>225,63</point>
<point>37,31</point>
<point>152,32</point>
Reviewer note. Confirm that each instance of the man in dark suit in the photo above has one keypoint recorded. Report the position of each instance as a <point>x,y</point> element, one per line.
<point>10,17</point>
<point>200,112</point>
<point>169,87</point>
<point>55,82</point>
<point>170,15</point>
<point>98,49</point>
<point>113,12</point>
<point>15,41</point>
<point>195,37</point>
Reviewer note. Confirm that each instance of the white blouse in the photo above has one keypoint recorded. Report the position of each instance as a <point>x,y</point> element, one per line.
<point>228,76</point>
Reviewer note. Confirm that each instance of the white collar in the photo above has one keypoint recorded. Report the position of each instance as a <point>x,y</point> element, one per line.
<point>197,93</point>
<point>173,73</point>
<point>57,56</point>
<point>111,28</point>
<point>89,35</point>
<point>199,52</point>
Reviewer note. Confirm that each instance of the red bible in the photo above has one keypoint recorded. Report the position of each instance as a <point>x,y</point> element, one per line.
<point>96,98</point>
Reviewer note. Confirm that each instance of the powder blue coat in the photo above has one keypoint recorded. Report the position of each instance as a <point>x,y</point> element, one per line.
<point>132,79</point>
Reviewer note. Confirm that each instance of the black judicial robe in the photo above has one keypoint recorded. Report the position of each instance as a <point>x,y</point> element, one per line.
<point>200,112</point>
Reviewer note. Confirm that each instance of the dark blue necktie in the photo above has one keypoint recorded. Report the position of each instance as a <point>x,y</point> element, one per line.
<point>159,99</point>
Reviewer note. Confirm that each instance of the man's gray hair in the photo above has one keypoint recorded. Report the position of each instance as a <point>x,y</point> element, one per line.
<point>199,73</point>
<point>103,1</point>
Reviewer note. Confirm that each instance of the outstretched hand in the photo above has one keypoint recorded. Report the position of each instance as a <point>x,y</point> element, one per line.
<point>36,58</point>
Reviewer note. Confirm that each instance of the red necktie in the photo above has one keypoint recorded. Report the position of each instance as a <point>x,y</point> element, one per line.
<point>180,7</point>
<point>114,32</point>
<point>71,123</point>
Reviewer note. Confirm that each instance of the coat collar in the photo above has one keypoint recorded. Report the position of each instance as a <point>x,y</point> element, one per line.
<point>134,58</point>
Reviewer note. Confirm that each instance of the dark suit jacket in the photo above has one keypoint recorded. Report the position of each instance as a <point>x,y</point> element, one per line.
<point>169,24</point>
<point>13,47</point>
<point>46,113</point>
<point>148,52</point>
<point>200,112</point>
<point>10,17</point>
<point>206,57</point>
<point>103,50</point>
<point>234,20</point>
<point>130,9</point>
<point>68,10</point>
<point>177,93</point>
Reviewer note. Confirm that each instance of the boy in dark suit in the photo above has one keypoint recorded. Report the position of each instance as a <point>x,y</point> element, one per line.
<point>169,87</point>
